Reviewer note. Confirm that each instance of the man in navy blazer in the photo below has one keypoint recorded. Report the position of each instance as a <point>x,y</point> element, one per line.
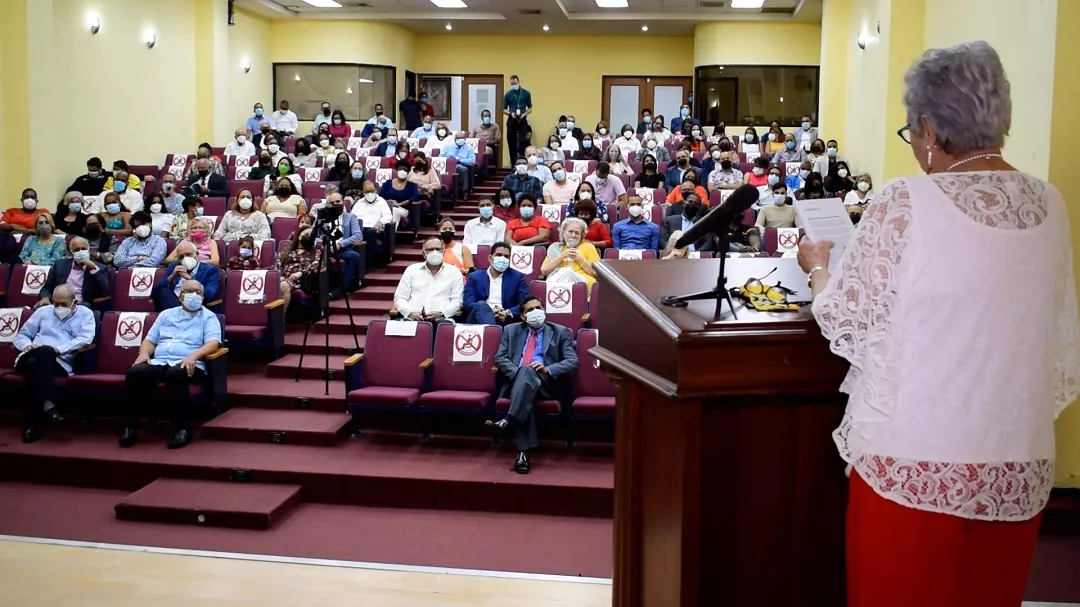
<point>678,170</point>
<point>94,275</point>
<point>478,301</point>
<point>186,267</point>
<point>536,360</point>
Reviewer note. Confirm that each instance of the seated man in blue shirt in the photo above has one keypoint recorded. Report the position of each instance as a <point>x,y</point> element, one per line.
<point>638,232</point>
<point>166,294</point>
<point>143,249</point>
<point>47,344</point>
<point>494,296</point>
<point>466,160</point>
<point>173,353</point>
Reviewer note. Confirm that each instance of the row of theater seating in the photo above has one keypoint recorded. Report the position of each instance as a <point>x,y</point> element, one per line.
<point>410,372</point>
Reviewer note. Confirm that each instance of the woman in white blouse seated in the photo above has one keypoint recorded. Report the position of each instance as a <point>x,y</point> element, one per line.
<point>161,220</point>
<point>627,141</point>
<point>243,220</point>
<point>286,201</point>
<point>956,379</point>
<point>857,199</point>
<point>615,157</point>
<point>553,152</point>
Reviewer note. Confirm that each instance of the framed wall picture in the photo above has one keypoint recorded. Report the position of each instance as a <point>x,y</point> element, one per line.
<point>439,93</point>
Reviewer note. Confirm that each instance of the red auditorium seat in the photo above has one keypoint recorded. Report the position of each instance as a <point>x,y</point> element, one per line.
<point>5,275</point>
<point>25,283</point>
<point>264,252</point>
<point>462,385</point>
<point>315,190</point>
<point>481,258</point>
<point>11,320</point>
<point>214,206</point>
<point>128,296</point>
<point>613,253</point>
<point>390,373</point>
<point>143,170</point>
<point>572,314</point>
<point>256,186</point>
<point>284,227</point>
<point>254,310</point>
<point>770,240</point>
<point>11,380</point>
<point>241,161</point>
<point>594,394</point>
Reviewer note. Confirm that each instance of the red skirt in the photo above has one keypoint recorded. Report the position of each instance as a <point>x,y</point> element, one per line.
<point>903,557</point>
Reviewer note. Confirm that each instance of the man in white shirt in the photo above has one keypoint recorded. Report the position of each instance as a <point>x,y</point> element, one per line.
<point>132,199</point>
<point>429,290</point>
<point>324,117</point>
<point>285,120</point>
<point>374,215</point>
<point>536,165</point>
<point>240,146</point>
<point>485,229</point>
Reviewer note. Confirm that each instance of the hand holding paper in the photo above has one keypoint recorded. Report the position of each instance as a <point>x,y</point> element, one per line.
<point>825,220</point>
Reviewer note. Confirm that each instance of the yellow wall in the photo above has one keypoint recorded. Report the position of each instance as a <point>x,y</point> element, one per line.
<point>904,37</point>
<point>866,89</point>
<point>14,104</point>
<point>835,43</point>
<point>249,37</point>
<point>757,43</point>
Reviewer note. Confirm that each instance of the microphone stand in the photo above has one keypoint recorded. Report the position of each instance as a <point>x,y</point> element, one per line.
<point>718,293</point>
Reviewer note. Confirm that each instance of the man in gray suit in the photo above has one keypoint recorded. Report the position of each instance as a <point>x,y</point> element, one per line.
<point>537,360</point>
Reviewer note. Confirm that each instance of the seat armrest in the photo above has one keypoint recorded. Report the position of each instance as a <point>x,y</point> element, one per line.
<point>426,364</point>
<point>585,317</point>
<point>218,375</point>
<point>275,322</point>
<point>217,354</point>
<point>354,373</point>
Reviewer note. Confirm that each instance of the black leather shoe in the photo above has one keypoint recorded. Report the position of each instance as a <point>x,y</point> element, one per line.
<point>521,464</point>
<point>31,434</point>
<point>52,416</point>
<point>128,437</point>
<point>181,439</point>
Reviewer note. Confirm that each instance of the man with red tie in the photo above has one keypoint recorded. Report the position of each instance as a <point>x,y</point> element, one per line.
<point>537,361</point>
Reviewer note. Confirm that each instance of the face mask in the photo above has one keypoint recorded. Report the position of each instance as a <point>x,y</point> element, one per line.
<point>585,195</point>
<point>44,230</point>
<point>789,145</point>
<point>684,112</point>
<point>766,137</point>
<point>198,235</point>
<point>167,186</point>
<point>75,207</point>
<point>651,144</point>
<point>602,131</point>
<point>204,172</point>
<point>505,202</point>
<point>142,231</point>
<point>81,256</point>
<point>427,126</point>
<point>199,211</point>
<point>628,134</point>
<point>189,263</point>
<point>402,174</point>
<point>562,132</point>
<point>447,236</point>
<point>647,119</point>
<point>806,126</point>
<point>93,231</point>
<point>324,143</point>
<point>514,87</point>
<point>527,212</point>
<point>371,196</point>
<point>560,175</point>
<point>486,212</point>
<point>93,173</point>
<point>696,134</point>
<point>337,120</point>
<point>357,174</point>
<point>863,186</point>
<point>119,186</point>
<point>401,155</point>
<point>842,173</point>
<point>759,171</point>
<point>246,253</point>
<point>533,160</point>
<point>62,313</point>
<point>716,155</point>
<point>112,208</point>
<point>273,148</point>
<point>554,145</point>
<point>650,166</point>
<point>748,138</point>
<point>570,124</point>
<point>572,242</point>
<point>283,192</point>
<point>258,111</point>
<point>284,110</point>
<point>442,133</point>
<point>636,210</point>
<point>155,208</point>
<point>391,140</point>
<point>245,203</point>
<point>804,174</point>
<point>434,258</point>
<point>535,318</point>
<point>241,139</point>
<point>691,209</point>
<point>192,302</point>
<point>725,165</point>
<point>587,144</point>
<point>521,169</point>
<point>816,149</point>
<point>831,152</point>
<point>326,111</point>
<point>779,199</point>
<point>774,179</point>
<point>486,120</point>
<point>500,263</point>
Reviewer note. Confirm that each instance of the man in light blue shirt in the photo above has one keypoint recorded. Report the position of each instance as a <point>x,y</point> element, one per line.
<point>324,117</point>
<point>465,156</point>
<point>47,344</point>
<point>173,354</point>
<point>255,121</point>
<point>386,123</point>
<point>143,249</point>
<point>427,131</point>
<point>174,200</point>
<point>535,158</point>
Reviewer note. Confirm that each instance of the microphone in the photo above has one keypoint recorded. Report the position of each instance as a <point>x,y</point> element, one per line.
<point>720,217</point>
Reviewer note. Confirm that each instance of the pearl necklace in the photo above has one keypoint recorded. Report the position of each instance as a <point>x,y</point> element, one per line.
<point>967,160</point>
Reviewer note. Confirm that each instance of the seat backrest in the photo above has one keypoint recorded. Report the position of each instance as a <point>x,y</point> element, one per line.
<point>394,360</point>
<point>481,259</point>
<point>315,189</point>
<point>132,289</point>
<point>554,213</point>
<point>465,341</point>
<point>656,212</point>
<point>264,250</point>
<point>382,176</point>
<point>255,185</point>
<point>779,240</point>
<point>528,261</point>
<point>5,275</point>
<point>586,167</point>
<point>119,339</point>
<point>144,170</point>
<point>316,174</point>
<point>247,292</point>
<point>590,380</point>
<point>11,320</point>
<point>25,283</point>
<point>564,303</point>
<point>214,206</point>
<point>283,227</point>
<point>613,253</point>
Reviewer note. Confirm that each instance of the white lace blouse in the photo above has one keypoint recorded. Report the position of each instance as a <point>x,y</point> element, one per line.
<point>955,305</point>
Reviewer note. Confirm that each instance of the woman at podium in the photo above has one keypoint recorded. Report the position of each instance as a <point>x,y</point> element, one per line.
<point>956,378</point>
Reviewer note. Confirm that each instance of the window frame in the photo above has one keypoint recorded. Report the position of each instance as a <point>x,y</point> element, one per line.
<point>393,73</point>
<point>699,108</point>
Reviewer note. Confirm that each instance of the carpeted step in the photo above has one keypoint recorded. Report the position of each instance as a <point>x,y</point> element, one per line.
<point>294,338</point>
<point>314,365</point>
<point>209,503</point>
<point>255,390</point>
<point>381,279</point>
<point>313,428</point>
<point>362,305</point>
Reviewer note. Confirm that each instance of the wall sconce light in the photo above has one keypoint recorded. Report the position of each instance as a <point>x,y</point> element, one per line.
<point>245,64</point>
<point>150,38</point>
<point>862,41</point>
<point>93,21</point>
<point>297,78</point>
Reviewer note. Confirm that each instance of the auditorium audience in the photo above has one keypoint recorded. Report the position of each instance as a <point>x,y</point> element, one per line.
<point>776,140</point>
<point>198,235</point>
<point>465,159</point>
<point>70,215</point>
<point>284,170</point>
<point>602,135</point>
<point>689,184</point>
<point>350,226</point>
<point>303,157</point>
<point>240,146</point>
<point>617,162</point>
<point>117,218</point>
<point>750,142</point>
<point>427,130</point>
<point>683,117</point>
<point>132,182</point>
<point>652,146</point>
<point>426,178</point>
<point>520,182</point>
<point>646,121</point>
<point>649,177</point>
<point>443,137</point>
<point>206,183</point>
<point>285,201</point>
<point>322,120</point>
<point>247,255</point>
<point>243,219</point>
<point>490,132</point>
<point>384,146</point>
<point>796,181</point>
<point>839,182</point>
<point>627,143</point>
<point>757,176</point>
<point>608,190</point>
<point>536,360</point>
<point>205,150</point>
<point>353,184</point>
<point>429,290</point>
<point>47,344</point>
<point>485,229</point>
<point>174,354</point>
<point>553,152</point>
<point>682,166</point>
<point>597,233</point>
<point>792,152</point>
<point>571,259</point>
<point>494,296</point>
<point>174,200</point>
<point>102,244</point>
<point>454,253</point>
<point>340,168</point>
<point>44,246</point>
<point>807,135</point>
<point>143,249</point>
<point>255,121</point>
<point>725,176</point>
<point>86,278</point>
<point>507,209</point>
<point>92,182</point>
<point>373,215</point>
<point>339,129</point>
<point>636,232</point>
<point>535,159</point>
<point>530,227</point>
<point>813,189</point>
<point>191,208</point>
<point>590,149</point>
<point>559,190</point>
<point>324,144</point>
<point>780,214</point>
<point>678,222</point>
<point>819,161</point>
<point>188,266</point>
<point>586,191</point>
<point>663,135</point>
<point>264,167</point>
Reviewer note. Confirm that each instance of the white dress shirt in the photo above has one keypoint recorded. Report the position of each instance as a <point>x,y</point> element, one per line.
<point>495,293</point>
<point>421,291</point>
<point>370,213</point>
<point>286,122</point>
<point>479,233</point>
<point>133,200</point>
<point>235,149</point>
<point>569,143</point>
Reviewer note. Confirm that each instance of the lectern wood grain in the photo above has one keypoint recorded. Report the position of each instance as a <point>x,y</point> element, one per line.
<point>728,488</point>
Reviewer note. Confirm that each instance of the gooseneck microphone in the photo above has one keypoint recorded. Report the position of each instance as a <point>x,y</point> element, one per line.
<point>719,218</point>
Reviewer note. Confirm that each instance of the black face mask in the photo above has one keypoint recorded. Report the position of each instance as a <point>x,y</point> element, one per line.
<point>326,111</point>
<point>203,172</point>
<point>817,149</point>
<point>420,166</point>
<point>691,209</point>
<point>307,241</point>
<point>343,165</point>
<point>447,236</point>
<point>283,192</point>
<point>725,164</point>
<point>264,160</point>
<point>93,231</point>
<point>683,162</point>
<point>650,166</point>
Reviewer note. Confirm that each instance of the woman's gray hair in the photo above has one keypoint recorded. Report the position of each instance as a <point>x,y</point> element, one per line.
<point>963,92</point>
<point>572,221</point>
<point>73,196</point>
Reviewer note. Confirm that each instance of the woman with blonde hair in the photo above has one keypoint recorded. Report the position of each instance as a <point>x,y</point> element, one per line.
<point>572,258</point>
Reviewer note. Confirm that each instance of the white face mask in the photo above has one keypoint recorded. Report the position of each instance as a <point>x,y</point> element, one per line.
<point>651,145</point>
<point>533,160</point>
<point>189,263</point>
<point>759,171</point>
<point>460,142</point>
<point>245,203</point>
<point>585,196</point>
<point>155,208</point>
<point>636,210</point>
<point>402,175</point>
<point>29,204</point>
<point>628,134</point>
<point>241,139</point>
<point>273,148</point>
<point>715,155</point>
<point>535,318</point>
<point>434,258</point>
<point>371,197</point>
<point>572,242</point>
<point>863,186</point>
<point>142,231</point>
<point>324,143</point>
<point>62,312</point>
<point>842,173</point>
<point>602,131</point>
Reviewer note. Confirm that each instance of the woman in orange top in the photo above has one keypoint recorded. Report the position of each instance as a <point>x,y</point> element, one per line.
<point>23,220</point>
<point>453,252</point>
<point>530,228</point>
<point>689,183</point>
<point>597,234</point>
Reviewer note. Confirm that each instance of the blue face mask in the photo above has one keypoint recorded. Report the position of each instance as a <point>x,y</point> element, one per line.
<point>806,126</point>
<point>119,186</point>
<point>391,140</point>
<point>804,174</point>
<point>831,152</point>
<point>486,120</point>
<point>790,145</point>
<point>562,132</point>
<point>487,212</point>
<point>192,301</point>
<point>199,212</point>
<point>648,120</point>
<point>748,138</point>
<point>80,256</point>
<point>514,87</point>
<point>684,112</point>
<point>527,212</point>
<point>500,263</point>
<point>112,208</point>
<point>423,100</point>
<point>75,207</point>
<point>774,179</point>
<point>258,111</point>
<point>586,144</point>
<point>245,253</point>
<point>427,126</point>
<point>560,175</point>
<point>357,174</point>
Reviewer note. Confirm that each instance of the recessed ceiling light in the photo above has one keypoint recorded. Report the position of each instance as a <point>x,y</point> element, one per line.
<point>298,77</point>
<point>449,27</point>
<point>323,3</point>
<point>612,3</point>
<point>644,28</point>
<point>546,28</point>
<point>449,3</point>
<point>366,81</point>
<point>747,3</point>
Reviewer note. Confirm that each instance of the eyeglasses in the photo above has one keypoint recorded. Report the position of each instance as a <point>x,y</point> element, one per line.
<point>905,133</point>
<point>766,298</point>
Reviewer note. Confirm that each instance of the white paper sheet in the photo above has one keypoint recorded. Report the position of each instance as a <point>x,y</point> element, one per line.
<point>401,328</point>
<point>826,220</point>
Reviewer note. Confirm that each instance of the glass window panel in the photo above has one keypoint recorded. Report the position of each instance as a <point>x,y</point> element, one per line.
<point>352,88</point>
<point>756,94</point>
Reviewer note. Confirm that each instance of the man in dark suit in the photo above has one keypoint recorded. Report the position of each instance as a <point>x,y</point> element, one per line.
<point>388,146</point>
<point>166,294</point>
<point>536,360</point>
<point>675,173</point>
<point>478,301</point>
<point>680,220</point>
<point>206,183</point>
<point>89,279</point>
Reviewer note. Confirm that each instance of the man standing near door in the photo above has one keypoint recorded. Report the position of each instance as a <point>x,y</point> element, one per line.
<point>517,105</point>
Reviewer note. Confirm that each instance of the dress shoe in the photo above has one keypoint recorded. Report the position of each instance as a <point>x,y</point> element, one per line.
<point>496,427</point>
<point>31,434</point>
<point>521,464</point>
<point>128,437</point>
<point>181,439</point>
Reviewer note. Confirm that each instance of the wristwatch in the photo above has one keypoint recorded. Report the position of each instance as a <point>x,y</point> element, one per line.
<point>810,274</point>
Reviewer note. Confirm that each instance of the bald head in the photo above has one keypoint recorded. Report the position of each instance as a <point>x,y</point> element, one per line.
<point>122,176</point>
<point>63,296</point>
<point>203,164</point>
<point>78,244</point>
<point>185,248</point>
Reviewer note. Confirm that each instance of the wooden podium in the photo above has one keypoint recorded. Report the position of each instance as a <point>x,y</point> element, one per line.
<point>728,487</point>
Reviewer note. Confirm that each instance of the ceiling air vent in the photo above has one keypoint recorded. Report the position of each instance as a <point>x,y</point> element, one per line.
<point>777,10</point>
<point>711,4</point>
<point>530,11</point>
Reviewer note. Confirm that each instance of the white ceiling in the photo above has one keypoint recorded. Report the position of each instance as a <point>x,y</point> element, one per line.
<point>563,17</point>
